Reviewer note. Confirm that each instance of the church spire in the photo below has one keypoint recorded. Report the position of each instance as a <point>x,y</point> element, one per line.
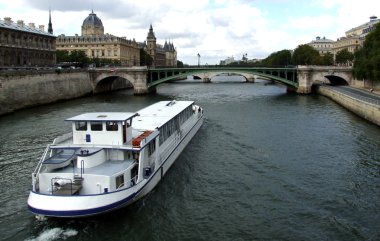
<point>50,25</point>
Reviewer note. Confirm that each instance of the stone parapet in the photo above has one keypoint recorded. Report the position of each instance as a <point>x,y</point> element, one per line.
<point>31,89</point>
<point>366,110</point>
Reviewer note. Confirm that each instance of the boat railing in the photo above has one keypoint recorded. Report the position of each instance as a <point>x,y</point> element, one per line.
<point>38,168</point>
<point>62,138</point>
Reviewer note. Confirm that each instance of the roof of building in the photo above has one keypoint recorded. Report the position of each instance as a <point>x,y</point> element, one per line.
<point>93,20</point>
<point>322,40</point>
<point>20,26</point>
<point>373,21</point>
<point>151,33</point>
<point>169,47</point>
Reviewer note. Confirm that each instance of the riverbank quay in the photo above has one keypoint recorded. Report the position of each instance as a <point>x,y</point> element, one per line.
<point>361,102</point>
<point>21,89</point>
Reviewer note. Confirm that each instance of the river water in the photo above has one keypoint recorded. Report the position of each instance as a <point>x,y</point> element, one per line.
<point>266,165</point>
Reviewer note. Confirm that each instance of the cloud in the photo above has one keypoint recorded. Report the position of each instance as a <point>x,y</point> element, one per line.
<point>216,29</point>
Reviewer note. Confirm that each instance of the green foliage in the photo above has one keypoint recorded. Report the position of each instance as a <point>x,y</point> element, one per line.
<point>280,58</point>
<point>79,56</point>
<point>344,56</point>
<point>99,62</point>
<point>367,59</point>
<point>180,64</point>
<point>75,56</point>
<point>327,59</point>
<point>62,56</point>
<point>306,55</point>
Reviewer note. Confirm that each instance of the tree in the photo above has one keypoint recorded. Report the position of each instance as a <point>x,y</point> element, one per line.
<point>344,56</point>
<point>306,55</point>
<point>79,56</point>
<point>180,64</point>
<point>327,59</point>
<point>76,56</point>
<point>62,56</point>
<point>367,59</point>
<point>280,58</point>
<point>145,58</point>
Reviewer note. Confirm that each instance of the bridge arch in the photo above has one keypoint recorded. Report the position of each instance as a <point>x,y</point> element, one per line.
<point>119,78</point>
<point>336,80</point>
<point>207,77</point>
<point>285,76</point>
<point>111,83</point>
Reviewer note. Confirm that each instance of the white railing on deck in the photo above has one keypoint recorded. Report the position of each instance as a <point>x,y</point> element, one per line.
<point>38,168</point>
<point>62,138</point>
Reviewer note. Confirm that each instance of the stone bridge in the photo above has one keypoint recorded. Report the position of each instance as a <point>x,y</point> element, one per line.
<point>103,79</point>
<point>20,89</point>
<point>299,79</point>
<point>310,75</point>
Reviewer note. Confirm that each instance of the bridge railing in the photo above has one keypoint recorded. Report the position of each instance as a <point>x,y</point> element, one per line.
<point>286,75</point>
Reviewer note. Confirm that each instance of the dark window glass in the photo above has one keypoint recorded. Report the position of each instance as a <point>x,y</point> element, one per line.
<point>96,126</point>
<point>81,125</point>
<point>119,181</point>
<point>111,126</point>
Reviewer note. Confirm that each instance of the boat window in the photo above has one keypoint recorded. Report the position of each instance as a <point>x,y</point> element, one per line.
<point>111,126</point>
<point>120,181</point>
<point>151,147</point>
<point>81,125</point>
<point>96,126</point>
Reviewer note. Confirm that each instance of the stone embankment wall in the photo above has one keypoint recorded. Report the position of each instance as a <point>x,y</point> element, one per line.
<point>368,111</point>
<point>30,88</point>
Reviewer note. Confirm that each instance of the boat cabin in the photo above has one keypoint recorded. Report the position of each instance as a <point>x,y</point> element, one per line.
<point>104,128</point>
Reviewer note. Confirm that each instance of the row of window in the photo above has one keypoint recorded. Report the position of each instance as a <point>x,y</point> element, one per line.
<point>174,124</point>
<point>80,45</point>
<point>96,126</point>
<point>95,40</point>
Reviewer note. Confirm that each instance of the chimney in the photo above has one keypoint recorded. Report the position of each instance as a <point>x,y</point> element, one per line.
<point>41,27</point>
<point>7,20</point>
<point>31,25</point>
<point>20,23</point>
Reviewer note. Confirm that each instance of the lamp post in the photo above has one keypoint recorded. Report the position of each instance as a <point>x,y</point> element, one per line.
<point>199,60</point>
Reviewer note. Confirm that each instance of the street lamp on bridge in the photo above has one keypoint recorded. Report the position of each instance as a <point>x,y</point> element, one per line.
<point>199,59</point>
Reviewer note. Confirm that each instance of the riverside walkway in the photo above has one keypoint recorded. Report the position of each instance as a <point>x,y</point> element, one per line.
<point>360,94</point>
<point>360,101</point>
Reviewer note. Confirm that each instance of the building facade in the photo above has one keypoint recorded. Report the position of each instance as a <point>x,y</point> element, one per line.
<point>96,44</point>
<point>355,37</point>
<point>162,56</point>
<point>24,45</point>
<point>322,45</point>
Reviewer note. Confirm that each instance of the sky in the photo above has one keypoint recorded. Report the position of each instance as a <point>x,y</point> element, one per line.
<point>216,29</point>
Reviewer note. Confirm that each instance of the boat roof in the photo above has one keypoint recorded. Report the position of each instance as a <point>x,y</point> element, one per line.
<point>103,116</point>
<point>156,115</point>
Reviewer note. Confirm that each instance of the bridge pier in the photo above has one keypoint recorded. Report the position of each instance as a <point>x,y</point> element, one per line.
<point>304,80</point>
<point>206,80</point>
<point>251,80</point>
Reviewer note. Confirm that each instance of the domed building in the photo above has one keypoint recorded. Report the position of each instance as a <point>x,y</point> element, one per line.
<point>96,44</point>
<point>92,26</point>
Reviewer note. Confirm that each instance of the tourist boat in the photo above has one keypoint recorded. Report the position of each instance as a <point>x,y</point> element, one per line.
<point>111,159</point>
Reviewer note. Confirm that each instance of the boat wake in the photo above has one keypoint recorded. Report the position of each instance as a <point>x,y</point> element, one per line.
<point>55,234</point>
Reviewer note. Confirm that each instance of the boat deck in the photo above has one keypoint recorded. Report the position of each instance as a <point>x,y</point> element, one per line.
<point>68,142</point>
<point>108,168</point>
